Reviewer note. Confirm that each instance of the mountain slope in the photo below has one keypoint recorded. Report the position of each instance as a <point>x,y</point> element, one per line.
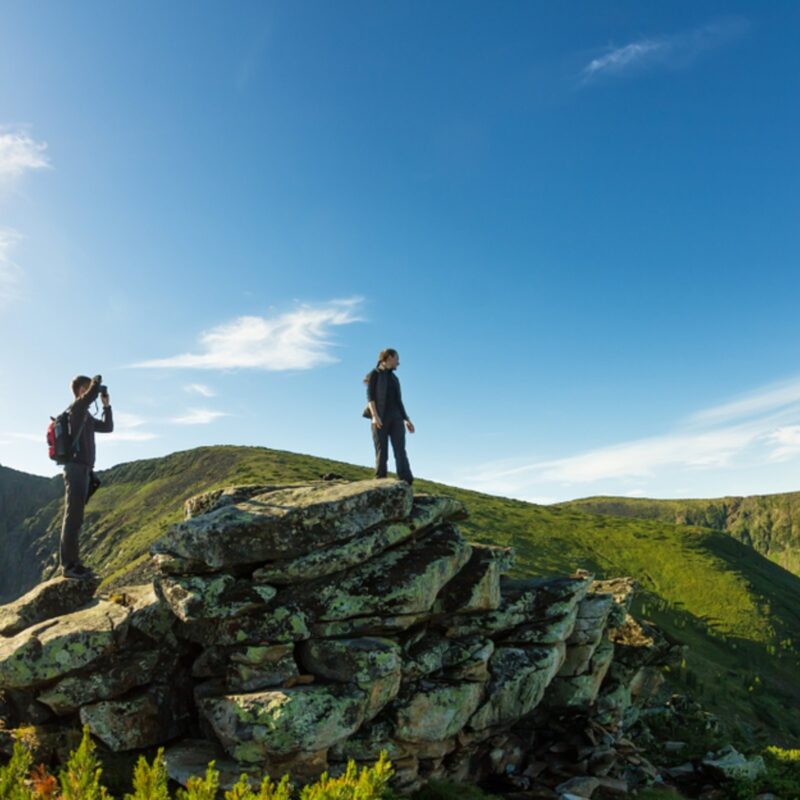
<point>739,612</point>
<point>768,523</point>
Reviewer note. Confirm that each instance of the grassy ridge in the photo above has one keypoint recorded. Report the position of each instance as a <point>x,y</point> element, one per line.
<point>739,612</point>
<point>768,523</point>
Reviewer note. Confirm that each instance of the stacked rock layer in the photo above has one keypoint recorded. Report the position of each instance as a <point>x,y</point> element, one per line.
<point>298,627</point>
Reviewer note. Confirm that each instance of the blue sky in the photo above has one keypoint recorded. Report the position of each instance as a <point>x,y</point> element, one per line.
<point>578,223</point>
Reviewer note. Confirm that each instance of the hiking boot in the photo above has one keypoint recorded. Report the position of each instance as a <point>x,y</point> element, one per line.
<point>79,572</point>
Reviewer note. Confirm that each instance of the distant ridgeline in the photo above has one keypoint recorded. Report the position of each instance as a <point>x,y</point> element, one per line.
<point>291,629</point>
<point>768,523</point>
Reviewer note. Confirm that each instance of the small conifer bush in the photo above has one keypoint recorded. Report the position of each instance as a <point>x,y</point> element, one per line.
<point>80,779</point>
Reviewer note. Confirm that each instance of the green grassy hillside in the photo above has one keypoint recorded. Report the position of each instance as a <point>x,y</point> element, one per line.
<point>768,523</point>
<point>738,611</point>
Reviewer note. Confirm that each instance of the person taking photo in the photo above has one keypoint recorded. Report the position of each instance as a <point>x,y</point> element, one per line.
<point>79,479</point>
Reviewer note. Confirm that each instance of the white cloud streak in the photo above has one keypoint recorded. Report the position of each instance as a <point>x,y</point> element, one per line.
<point>760,428</point>
<point>201,389</point>
<point>20,153</point>
<point>199,416</point>
<point>299,339</point>
<point>676,50</point>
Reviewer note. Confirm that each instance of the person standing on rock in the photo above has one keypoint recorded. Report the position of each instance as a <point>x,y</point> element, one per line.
<point>388,414</point>
<point>79,480</point>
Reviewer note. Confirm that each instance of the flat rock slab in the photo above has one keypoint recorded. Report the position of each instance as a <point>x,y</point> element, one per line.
<point>436,656</point>
<point>150,717</point>
<point>55,648</point>
<point>209,597</point>
<point>50,599</point>
<point>519,680</point>
<point>263,725</point>
<point>373,664</point>
<point>477,585</point>
<point>206,502</point>
<point>523,601</point>
<point>276,625</point>
<point>436,712</point>
<point>426,512</point>
<point>581,691</point>
<point>286,523</point>
<point>127,671</point>
<point>404,580</point>
<point>251,669</point>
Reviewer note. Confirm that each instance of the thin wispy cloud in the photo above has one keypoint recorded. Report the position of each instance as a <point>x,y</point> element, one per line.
<point>676,50</point>
<point>761,428</point>
<point>10,271</point>
<point>20,153</point>
<point>199,416</point>
<point>295,340</point>
<point>201,389</point>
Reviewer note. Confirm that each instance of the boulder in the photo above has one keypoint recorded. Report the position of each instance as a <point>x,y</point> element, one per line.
<point>581,691</point>
<point>477,585</point>
<point>304,719</point>
<point>259,667</point>
<point>55,648</point>
<point>147,718</point>
<point>435,711</point>
<point>404,580</point>
<point>730,764</point>
<point>425,513</point>
<point>149,615</point>
<point>210,597</point>
<point>371,625</point>
<point>127,670</point>
<point>518,683</point>
<point>286,523</point>
<point>207,502</point>
<point>373,664</point>
<point>275,625</point>
<point>549,630</point>
<point>50,599</point>
<point>523,602</point>
<point>459,659</point>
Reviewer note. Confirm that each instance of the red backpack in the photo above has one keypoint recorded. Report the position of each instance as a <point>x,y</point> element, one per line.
<point>61,446</point>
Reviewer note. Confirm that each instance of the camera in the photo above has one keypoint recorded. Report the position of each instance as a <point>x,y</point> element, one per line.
<point>103,389</point>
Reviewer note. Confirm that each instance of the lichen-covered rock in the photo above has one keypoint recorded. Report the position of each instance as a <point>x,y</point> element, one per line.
<point>127,670</point>
<point>259,667</point>
<point>519,680</point>
<point>275,625</point>
<point>371,625</point>
<point>261,725</point>
<point>373,664</point>
<point>50,599</point>
<point>426,512</point>
<point>592,620</point>
<point>523,601</point>
<point>217,596</point>
<point>622,591</point>
<point>435,711</point>
<point>549,630</point>
<point>149,717</point>
<point>581,691</point>
<point>460,659</point>
<point>55,648</point>
<point>477,585</point>
<point>286,523</point>
<point>219,498</point>
<point>404,580</point>
<point>729,764</point>
<point>148,614</point>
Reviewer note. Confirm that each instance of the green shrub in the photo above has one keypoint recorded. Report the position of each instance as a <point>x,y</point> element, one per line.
<point>267,791</point>
<point>369,784</point>
<point>14,774</point>
<point>150,780</point>
<point>80,778</point>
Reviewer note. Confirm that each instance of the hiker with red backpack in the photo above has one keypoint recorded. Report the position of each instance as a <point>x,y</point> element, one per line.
<point>71,440</point>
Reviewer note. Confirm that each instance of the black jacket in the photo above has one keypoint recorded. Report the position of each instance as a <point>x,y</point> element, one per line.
<point>379,384</point>
<point>79,415</point>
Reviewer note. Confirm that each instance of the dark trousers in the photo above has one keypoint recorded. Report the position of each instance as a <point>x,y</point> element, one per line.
<point>394,430</point>
<point>76,493</point>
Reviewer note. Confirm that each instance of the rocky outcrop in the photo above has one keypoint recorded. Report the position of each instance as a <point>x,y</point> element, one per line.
<point>294,627</point>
